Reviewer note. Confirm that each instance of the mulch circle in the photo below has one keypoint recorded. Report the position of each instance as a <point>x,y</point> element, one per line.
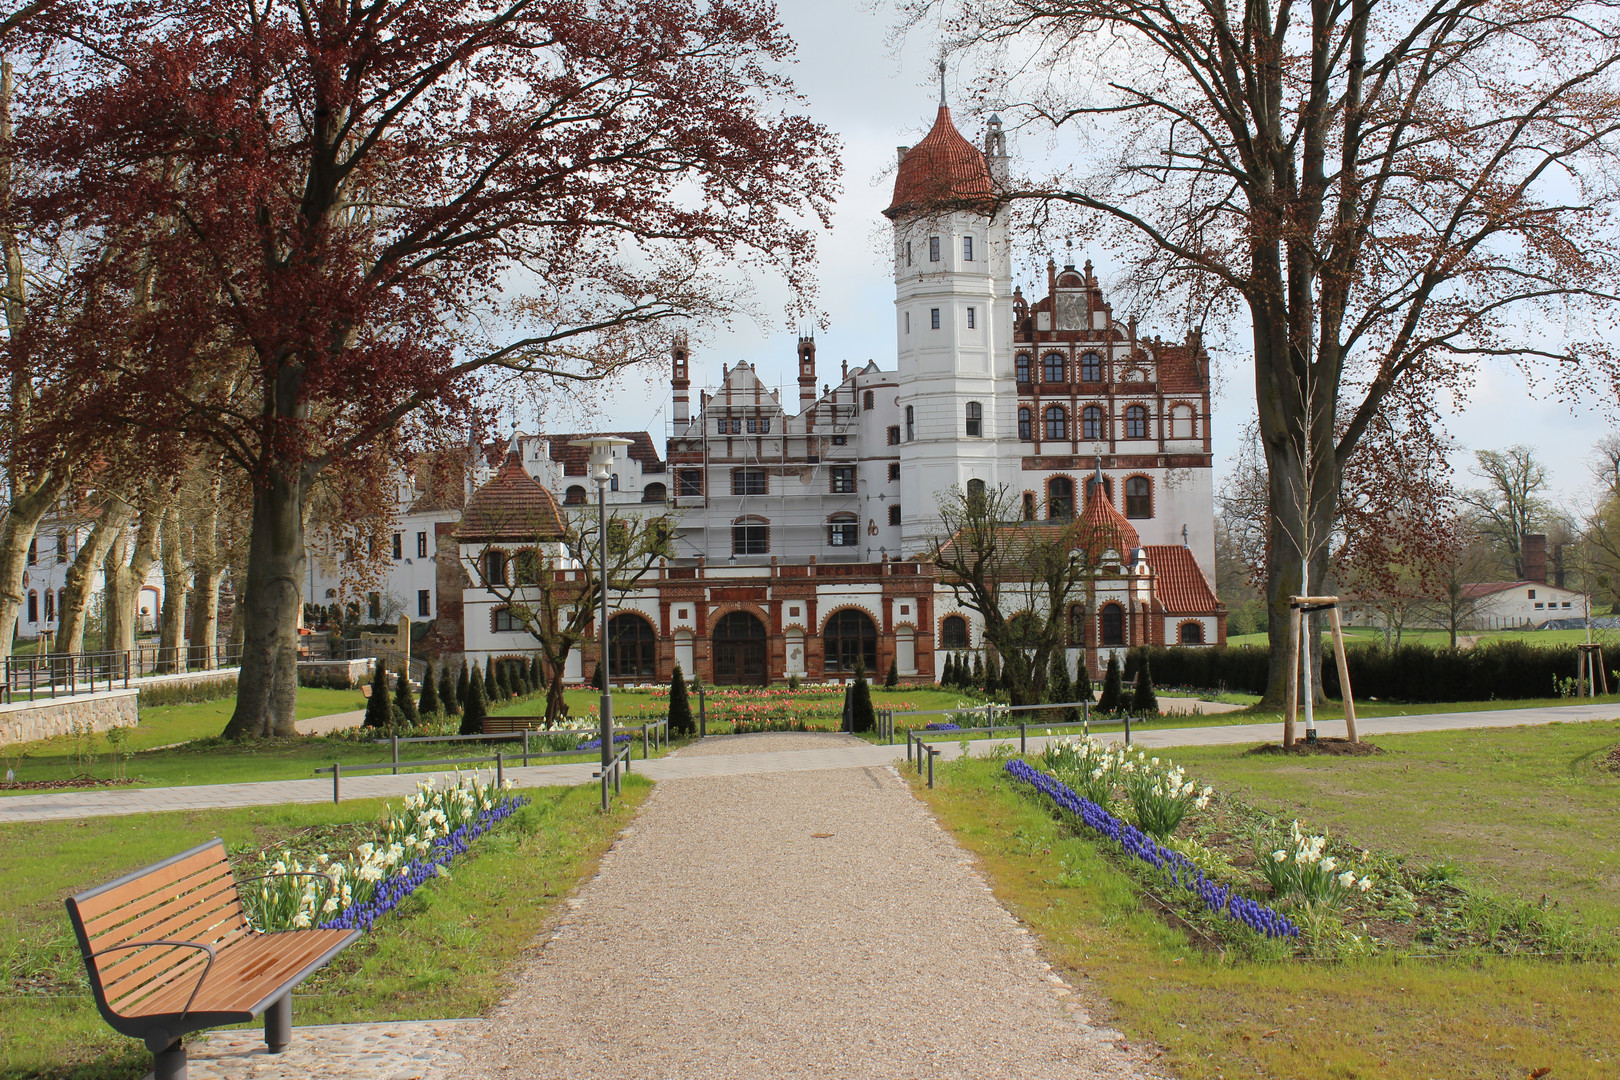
<point>1332,747</point>
<point>63,785</point>
<point>1613,759</point>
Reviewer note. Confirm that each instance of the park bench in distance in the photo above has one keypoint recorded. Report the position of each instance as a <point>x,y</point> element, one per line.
<point>169,951</point>
<point>512,725</point>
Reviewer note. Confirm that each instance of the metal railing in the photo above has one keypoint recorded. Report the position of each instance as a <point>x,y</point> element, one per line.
<point>918,744</point>
<point>54,675</point>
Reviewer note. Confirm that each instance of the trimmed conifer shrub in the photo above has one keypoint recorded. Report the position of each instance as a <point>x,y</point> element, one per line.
<point>976,680</point>
<point>862,718</point>
<point>680,709</point>
<point>463,686</point>
<point>1113,691</point>
<point>447,692</point>
<point>947,672</point>
<point>1081,689</point>
<point>429,705</point>
<point>598,676</point>
<point>404,700</point>
<point>1057,678</point>
<point>992,675</point>
<point>474,708</point>
<point>537,676</point>
<point>1143,699</point>
<point>377,704</point>
<point>893,678</point>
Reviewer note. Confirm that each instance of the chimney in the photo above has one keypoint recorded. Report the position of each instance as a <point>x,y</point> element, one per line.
<point>995,150</point>
<point>1533,550</point>
<point>678,380</point>
<point>807,372</point>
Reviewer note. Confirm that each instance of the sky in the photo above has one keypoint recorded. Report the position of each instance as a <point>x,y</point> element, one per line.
<point>876,94</point>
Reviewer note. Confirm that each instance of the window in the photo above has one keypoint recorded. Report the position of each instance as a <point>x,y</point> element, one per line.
<point>424,603</point>
<point>1138,497</point>
<point>751,536</point>
<point>720,427</point>
<point>933,249</point>
<point>1060,498</point>
<point>632,648</point>
<point>850,636</point>
<point>33,557</point>
<point>975,491</point>
<point>574,496</point>
<point>975,419</point>
<point>1192,633</point>
<point>1136,422</point>
<point>1567,603</point>
<point>1107,488</point>
<point>894,471</point>
<point>971,322</point>
<point>933,318</point>
<point>69,546</point>
<point>421,545</point>
<point>1057,422</point>
<point>374,606</point>
<point>840,440</point>
<point>866,401</point>
<point>894,514</point>
<point>753,426</point>
<point>843,531</point>
<point>503,622</point>
<point>1077,627</point>
<point>1182,425</point>
<point>495,567</point>
<point>1024,416</point>
<point>748,481</point>
<point>953,632</point>
<point>1538,605</point>
<point>764,425</point>
<point>1090,367</point>
<point>843,479</point>
<point>689,481</point>
<point>1091,423</point>
<point>908,252</point>
<point>33,607</point>
<point>1029,506</point>
<point>1021,368</point>
<point>654,493</point>
<point>1531,594</point>
<point>1052,367</point>
<point>911,423</point>
<point>50,605</point>
<point>613,482</point>
<point>894,434</point>
<point>1112,620</point>
<point>967,249</point>
<point>908,322</point>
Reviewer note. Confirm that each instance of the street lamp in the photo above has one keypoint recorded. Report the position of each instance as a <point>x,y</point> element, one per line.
<point>603,448</point>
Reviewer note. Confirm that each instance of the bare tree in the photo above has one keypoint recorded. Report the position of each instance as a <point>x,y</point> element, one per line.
<point>1512,501</point>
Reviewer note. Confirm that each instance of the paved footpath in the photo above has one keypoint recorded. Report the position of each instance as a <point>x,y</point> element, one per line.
<point>750,755</point>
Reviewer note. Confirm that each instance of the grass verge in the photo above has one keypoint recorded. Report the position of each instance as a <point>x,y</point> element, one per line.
<point>1219,1016</point>
<point>446,952</point>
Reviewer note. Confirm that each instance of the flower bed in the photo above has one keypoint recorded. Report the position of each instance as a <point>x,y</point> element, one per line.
<point>1177,868</point>
<point>353,891</point>
<point>943,727</point>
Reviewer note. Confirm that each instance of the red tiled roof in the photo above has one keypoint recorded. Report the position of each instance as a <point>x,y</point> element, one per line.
<point>1109,525</point>
<point>574,459</point>
<point>1178,370</point>
<point>1476,589</point>
<point>942,169</point>
<point>1179,586</point>
<point>512,507</point>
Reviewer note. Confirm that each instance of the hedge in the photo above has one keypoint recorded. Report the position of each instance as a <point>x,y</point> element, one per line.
<point>1503,669</point>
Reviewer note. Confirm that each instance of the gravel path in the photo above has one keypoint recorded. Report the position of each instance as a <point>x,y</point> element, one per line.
<point>725,937</point>
<point>768,742</point>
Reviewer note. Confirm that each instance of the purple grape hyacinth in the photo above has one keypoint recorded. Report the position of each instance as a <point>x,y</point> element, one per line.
<point>943,727</point>
<point>1221,899</point>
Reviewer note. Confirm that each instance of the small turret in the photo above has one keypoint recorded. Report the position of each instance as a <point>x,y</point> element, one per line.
<point>807,372</point>
<point>679,381</point>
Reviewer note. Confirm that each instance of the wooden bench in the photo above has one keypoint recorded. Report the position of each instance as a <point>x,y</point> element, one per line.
<point>511,725</point>
<point>169,951</point>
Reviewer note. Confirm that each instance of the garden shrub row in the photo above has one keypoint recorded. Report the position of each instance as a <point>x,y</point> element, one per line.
<point>1504,669</point>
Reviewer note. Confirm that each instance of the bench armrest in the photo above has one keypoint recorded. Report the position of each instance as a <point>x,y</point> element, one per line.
<point>169,943</point>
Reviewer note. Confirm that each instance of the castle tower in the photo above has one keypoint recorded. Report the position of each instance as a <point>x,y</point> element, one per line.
<point>953,312</point>
<point>679,381</point>
<point>807,372</point>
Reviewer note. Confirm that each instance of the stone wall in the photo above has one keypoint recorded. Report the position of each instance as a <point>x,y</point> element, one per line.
<point>338,674</point>
<point>27,721</point>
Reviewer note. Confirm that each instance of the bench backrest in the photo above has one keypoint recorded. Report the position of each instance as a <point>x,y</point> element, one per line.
<point>504,725</point>
<point>189,897</point>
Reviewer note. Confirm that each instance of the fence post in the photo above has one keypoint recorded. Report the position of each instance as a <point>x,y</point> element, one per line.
<point>1023,738</point>
<point>930,767</point>
<point>500,769</point>
<point>1127,729</point>
<point>645,753</point>
<point>525,747</point>
<point>703,720</point>
<point>126,669</point>
<point>604,791</point>
<point>337,781</point>
<point>990,719</point>
<point>394,737</point>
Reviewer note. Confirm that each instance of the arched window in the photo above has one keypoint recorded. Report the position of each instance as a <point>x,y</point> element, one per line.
<point>1112,620</point>
<point>1052,367</point>
<point>843,530</point>
<point>494,568</point>
<point>1077,626</point>
<point>751,536</point>
<point>1057,422</point>
<point>574,496</point>
<point>975,419</point>
<point>1060,498</point>
<point>654,493</point>
<point>911,423</point>
<point>33,607</point>
<point>1090,367</point>
<point>1136,422</point>
<point>867,401</point>
<point>1182,423</point>
<point>1025,423</point>
<point>953,632</point>
<point>1138,497</point>
<point>613,482</point>
<point>1107,488</point>
<point>632,648</point>
<point>526,567</point>
<point>849,636</point>
<point>1192,633</point>
<point>1091,423</point>
<point>1021,368</point>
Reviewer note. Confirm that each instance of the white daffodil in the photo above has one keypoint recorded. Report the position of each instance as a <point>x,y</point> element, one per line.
<point>1347,879</point>
<point>1329,865</point>
<point>1279,855</point>
<point>301,921</point>
<point>1364,884</point>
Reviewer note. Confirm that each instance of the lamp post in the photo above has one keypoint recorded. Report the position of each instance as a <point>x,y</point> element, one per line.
<point>603,448</point>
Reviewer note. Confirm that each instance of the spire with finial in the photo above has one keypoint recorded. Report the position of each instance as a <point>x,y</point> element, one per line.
<point>942,80</point>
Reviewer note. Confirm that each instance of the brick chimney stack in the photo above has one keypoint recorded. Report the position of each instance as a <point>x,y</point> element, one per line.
<point>1533,549</point>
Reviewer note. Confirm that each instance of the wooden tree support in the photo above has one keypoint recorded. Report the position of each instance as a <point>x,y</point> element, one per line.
<point>1299,640</point>
<point>1589,671</point>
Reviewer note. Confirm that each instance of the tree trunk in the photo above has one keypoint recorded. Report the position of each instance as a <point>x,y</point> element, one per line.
<point>76,592</point>
<point>131,576</point>
<point>171,628</point>
<point>16,534</point>
<point>267,688</point>
<point>207,570</point>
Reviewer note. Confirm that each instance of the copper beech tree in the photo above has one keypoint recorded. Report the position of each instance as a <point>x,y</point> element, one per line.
<point>1384,192</point>
<point>351,215</point>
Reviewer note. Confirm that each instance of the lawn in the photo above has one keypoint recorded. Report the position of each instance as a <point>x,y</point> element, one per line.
<point>1507,808</point>
<point>448,951</point>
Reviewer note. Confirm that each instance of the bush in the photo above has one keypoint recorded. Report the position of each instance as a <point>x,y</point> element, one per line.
<point>186,693</point>
<point>597,677</point>
<point>429,705</point>
<point>377,711</point>
<point>893,678</point>
<point>1113,691</point>
<point>976,678</point>
<point>1082,680</point>
<point>992,675</point>
<point>463,686</point>
<point>1143,699</point>
<point>862,717</point>
<point>447,692</point>
<point>680,709</point>
<point>474,708</point>
<point>404,700</point>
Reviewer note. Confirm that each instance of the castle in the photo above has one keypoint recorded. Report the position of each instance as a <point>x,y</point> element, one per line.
<point>802,528</point>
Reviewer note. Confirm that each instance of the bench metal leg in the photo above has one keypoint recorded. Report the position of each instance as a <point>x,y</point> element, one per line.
<point>170,1062</point>
<point>278,1025</point>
